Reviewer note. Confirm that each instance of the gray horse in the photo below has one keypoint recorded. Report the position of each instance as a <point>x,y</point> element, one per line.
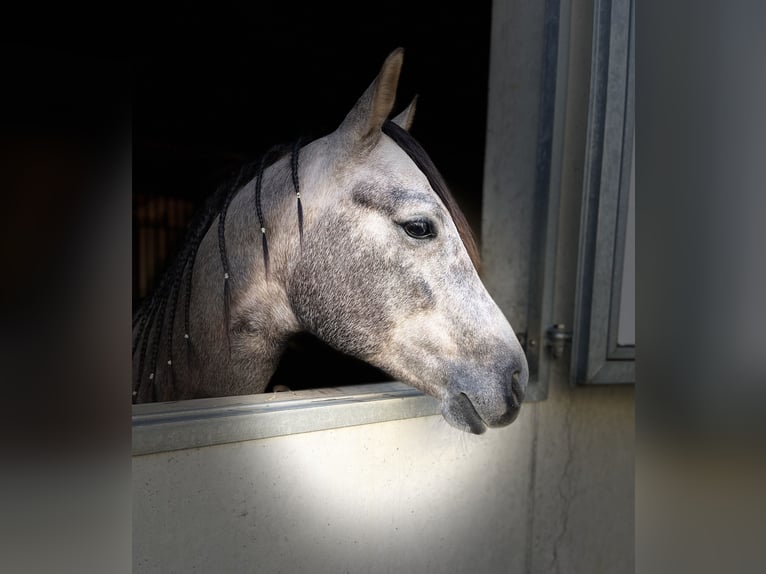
<point>353,238</point>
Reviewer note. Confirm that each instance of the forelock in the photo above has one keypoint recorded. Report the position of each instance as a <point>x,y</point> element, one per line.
<point>421,159</point>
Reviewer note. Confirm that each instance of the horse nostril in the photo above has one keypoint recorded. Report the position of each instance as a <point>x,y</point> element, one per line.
<point>517,389</point>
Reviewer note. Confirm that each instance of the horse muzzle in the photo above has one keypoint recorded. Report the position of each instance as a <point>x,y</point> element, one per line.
<point>474,405</point>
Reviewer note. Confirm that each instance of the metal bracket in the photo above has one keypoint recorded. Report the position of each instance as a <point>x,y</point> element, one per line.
<point>557,337</point>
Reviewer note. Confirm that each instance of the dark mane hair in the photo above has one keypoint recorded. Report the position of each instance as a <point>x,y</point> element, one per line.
<point>416,152</point>
<point>177,278</point>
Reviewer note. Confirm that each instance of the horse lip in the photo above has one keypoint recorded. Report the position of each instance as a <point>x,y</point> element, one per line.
<point>475,423</point>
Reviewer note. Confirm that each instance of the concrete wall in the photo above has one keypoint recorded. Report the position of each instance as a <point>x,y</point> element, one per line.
<point>399,496</point>
<point>550,493</point>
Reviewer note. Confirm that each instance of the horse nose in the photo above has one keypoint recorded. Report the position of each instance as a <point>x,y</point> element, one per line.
<point>513,386</point>
<point>518,389</point>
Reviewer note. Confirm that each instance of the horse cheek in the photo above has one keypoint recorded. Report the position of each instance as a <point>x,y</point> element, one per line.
<point>335,294</point>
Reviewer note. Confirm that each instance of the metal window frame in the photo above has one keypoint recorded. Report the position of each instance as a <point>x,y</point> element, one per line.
<point>596,356</point>
<point>547,194</point>
<point>168,426</point>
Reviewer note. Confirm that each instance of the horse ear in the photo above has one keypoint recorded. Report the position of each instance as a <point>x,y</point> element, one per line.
<point>366,118</point>
<point>406,116</point>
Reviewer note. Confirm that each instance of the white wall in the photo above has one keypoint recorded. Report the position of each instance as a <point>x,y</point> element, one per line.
<point>400,496</point>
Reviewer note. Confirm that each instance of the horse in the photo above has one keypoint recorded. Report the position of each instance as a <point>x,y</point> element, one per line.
<point>352,237</point>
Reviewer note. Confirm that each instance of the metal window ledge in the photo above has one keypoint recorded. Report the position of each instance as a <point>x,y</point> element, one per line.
<point>161,427</point>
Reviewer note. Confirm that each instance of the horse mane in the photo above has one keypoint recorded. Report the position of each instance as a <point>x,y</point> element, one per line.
<point>417,154</point>
<point>178,276</point>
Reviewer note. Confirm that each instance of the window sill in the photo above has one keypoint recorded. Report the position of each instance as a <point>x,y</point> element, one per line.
<point>162,427</point>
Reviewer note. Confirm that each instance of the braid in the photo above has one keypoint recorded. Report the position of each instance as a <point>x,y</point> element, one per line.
<point>174,292</point>
<point>150,321</point>
<point>259,212</point>
<point>196,233</point>
<point>167,286</point>
<point>138,324</point>
<point>187,301</point>
<point>156,346</point>
<point>139,315</point>
<point>294,160</point>
<point>225,261</point>
<point>139,320</point>
<point>144,337</point>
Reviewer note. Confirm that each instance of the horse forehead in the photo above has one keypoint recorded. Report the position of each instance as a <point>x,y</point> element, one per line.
<point>388,165</point>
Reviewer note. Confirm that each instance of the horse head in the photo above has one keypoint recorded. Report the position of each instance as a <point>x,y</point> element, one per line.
<point>387,271</point>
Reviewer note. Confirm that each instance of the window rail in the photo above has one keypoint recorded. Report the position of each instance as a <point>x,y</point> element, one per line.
<point>162,427</point>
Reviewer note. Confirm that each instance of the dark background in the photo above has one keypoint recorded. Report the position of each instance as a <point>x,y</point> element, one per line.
<point>212,91</point>
<point>215,90</point>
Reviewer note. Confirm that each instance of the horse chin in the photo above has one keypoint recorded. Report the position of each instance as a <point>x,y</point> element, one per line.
<point>460,412</point>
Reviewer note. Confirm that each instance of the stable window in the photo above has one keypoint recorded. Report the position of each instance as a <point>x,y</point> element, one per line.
<point>518,214</point>
<point>200,112</point>
<point>604,343</point>
<point>533,197</point>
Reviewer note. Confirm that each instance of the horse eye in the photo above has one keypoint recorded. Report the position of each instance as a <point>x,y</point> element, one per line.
<point>419,229</point>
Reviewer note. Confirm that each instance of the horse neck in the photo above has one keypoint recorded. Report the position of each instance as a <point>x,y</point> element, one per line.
<point>260,317</point>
